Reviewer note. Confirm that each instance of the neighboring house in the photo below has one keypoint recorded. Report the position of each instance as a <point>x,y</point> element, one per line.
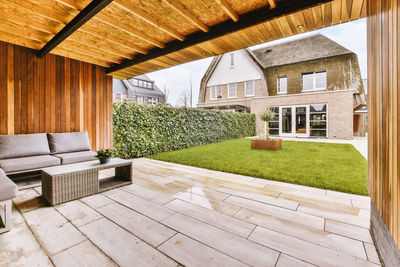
<point>313,84</point>
<point>140,89</point>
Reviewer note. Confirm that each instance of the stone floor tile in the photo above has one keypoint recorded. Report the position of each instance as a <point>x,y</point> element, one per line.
<point>96,201</point>
<point>78,213</point>
<point>149,194</point>
<point>190,252</point>
<point>362,204</point>
<point>288,261</point>
<point>371,253</point>
<point>18,247</point>
<point>83,254</point>
<point>141,226</point>
<point>349,230</point>
<point>303,250</point>
<point>259,196</point>
<point>208,203</point>
<point>143,206</point>
<point>225,242</point>
<point>52,230</point>
<point>350,215</point>
<point>216,219</point>
<point>123,247</point>
<point>28,200</point>
<point>282,213</point>
<point>16,216</point>
<point>304,232</point>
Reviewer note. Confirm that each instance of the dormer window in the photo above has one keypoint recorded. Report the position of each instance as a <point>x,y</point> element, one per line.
<point>282,85</point>
<point>135,82</point>
<point>314,81</point>
<point>232,60</point>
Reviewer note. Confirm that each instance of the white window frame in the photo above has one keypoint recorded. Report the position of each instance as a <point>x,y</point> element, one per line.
<point>213,88</point>
<point>232,60</point>
<point>314,82</point>
<point>278,85</point>
<point>118,96</point>
<point>229,96</point>
<point>141,99</point>
<point>245,88</point>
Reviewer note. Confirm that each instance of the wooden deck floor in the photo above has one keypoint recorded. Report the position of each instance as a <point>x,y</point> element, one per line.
<point>178,215</point>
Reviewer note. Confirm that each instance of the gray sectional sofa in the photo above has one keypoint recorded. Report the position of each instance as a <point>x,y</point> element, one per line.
<point>24,155</point>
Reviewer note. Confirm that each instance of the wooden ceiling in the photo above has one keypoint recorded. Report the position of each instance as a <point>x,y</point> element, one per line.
<point>132,37</point>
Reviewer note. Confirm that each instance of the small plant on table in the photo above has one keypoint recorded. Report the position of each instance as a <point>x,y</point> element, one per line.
<point>104,155</point>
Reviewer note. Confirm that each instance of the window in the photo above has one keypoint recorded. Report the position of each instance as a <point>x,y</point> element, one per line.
<point>232,90</point>
<point>213,92</point>
<point>232,60</point>
<point>274,123</point>
<point>314,81</point>
<point>282,85</point>
<point>249,87</point>
<point>318,120</point>
<point>151,101</point>
<point>135,82</point>
<point>150,85</point>
<point>139,99</point>
<point>140,83</point>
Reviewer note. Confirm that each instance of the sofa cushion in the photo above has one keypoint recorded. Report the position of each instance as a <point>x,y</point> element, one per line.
<point>23,145</point>
<point>8,190</point>
<point>74,157</point>
<point>27,163</point>
<point>68,142</point>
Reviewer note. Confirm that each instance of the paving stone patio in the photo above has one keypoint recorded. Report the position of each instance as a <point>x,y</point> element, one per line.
<point>179,215</point>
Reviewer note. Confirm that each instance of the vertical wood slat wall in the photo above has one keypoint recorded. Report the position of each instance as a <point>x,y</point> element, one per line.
<point>383,26</point>
<point>54,94</point>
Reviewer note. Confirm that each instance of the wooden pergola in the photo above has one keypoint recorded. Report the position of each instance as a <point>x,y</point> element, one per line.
<point>57,58</point>
<point>132,37</point>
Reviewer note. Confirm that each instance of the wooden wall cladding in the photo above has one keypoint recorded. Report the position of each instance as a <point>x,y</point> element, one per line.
<point>383,33</point>
<point>54,94</point>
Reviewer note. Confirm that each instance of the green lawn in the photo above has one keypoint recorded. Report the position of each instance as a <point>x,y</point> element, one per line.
<point>337,167</point>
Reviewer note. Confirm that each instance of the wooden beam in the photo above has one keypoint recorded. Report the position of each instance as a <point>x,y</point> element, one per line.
<point>177,6</point>
<point>128,6</point>
<point>228,10</point>
<point>272,4</point>
<point>87,13</point>
<point>249,19</point>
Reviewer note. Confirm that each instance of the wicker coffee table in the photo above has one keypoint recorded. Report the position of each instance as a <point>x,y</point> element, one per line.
<point>68,182</point>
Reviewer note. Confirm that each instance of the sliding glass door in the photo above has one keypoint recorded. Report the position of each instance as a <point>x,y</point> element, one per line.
<point>286,121</point>
<point>294,121</point>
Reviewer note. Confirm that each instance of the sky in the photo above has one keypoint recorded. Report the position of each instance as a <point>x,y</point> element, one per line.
<point>352,35</point>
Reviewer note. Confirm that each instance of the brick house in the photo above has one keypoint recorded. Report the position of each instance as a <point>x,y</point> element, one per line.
<point>313,84</point>
<point>140,89</point>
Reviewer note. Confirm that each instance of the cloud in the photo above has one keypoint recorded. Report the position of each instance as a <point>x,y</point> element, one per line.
<point>352,35</point>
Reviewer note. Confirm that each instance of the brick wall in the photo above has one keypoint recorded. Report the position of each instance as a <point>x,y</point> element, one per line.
<point>340,109</point>
<point>260,90</point>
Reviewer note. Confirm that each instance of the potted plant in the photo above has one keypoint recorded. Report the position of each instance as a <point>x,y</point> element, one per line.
<point>104,155</point>
<point>267,143</point>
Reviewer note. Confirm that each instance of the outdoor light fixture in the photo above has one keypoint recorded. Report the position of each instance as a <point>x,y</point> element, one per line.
<point>203,53</point>
<point>300,26</point>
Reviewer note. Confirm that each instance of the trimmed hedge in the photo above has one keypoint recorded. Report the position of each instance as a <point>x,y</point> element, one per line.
<point>141,130</point>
